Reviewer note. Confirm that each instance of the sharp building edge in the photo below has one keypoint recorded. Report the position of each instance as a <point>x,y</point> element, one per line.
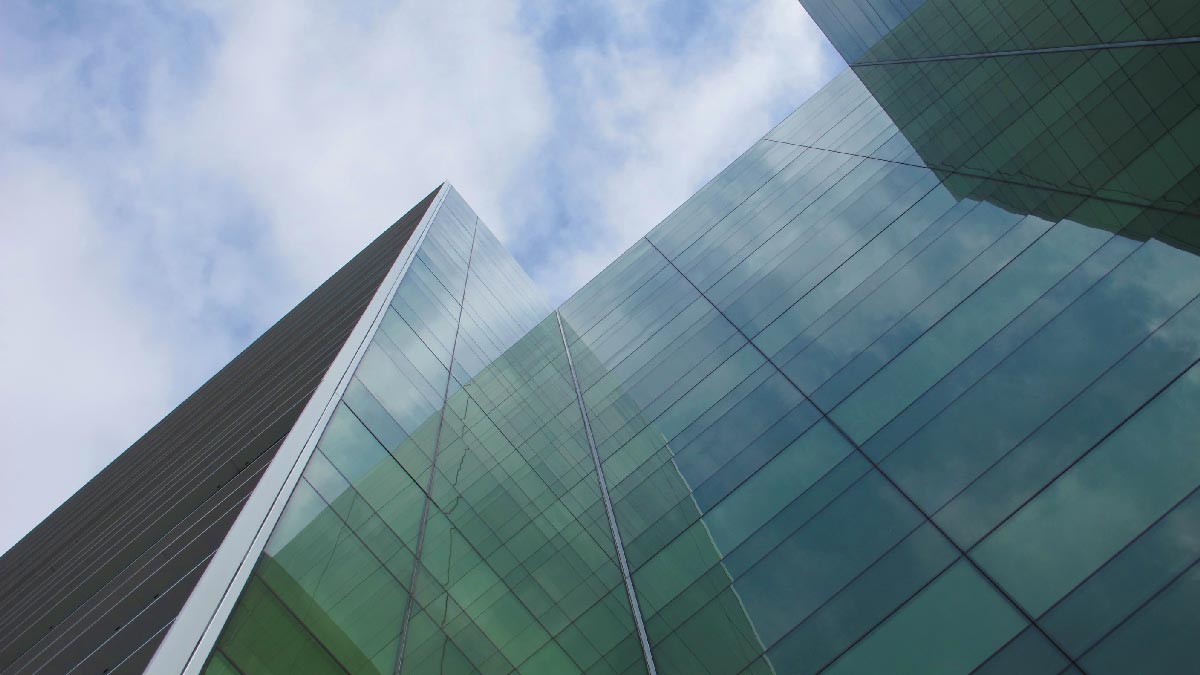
<point>95,584</point>
<point>908,387</point>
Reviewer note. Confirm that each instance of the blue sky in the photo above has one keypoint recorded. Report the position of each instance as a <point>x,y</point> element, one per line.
<point>174,176</point>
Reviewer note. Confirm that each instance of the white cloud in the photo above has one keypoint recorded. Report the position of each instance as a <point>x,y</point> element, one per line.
<point>158,213</point>
<point>663,122</point>
<point>173,179</point>
<point>83,374</point>
<point>334,124</point>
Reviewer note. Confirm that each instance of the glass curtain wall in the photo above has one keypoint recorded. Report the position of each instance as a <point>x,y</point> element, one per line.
<point>910,387</point>
<point>378,544</point>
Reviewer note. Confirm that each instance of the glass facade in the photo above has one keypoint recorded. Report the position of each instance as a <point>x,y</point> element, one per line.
<point>910,387</point>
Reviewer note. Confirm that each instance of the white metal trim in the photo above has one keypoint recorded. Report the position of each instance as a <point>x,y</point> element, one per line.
<point>194,632</point>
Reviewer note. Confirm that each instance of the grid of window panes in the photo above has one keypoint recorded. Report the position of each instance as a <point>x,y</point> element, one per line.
<point>865,31</point>
<point>910,387</point>
<point>930,422</point>
<point>499,552</point>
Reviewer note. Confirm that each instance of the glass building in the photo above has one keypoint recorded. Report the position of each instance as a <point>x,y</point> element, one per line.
<point>912,386</point>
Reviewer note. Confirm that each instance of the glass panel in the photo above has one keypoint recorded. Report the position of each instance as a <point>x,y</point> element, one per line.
<point>950,627</point>
<point>1126,483</point>
<point>396,532</point>
<point>1159,638</point>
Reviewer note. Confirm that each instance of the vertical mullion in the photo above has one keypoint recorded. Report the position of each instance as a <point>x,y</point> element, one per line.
<point>437,446</point>
<point>634,607</point>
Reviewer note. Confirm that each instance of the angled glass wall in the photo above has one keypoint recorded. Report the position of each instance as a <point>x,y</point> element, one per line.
<point>334,589</point>
<point>870,31</point>
<point>910,387</point>
<point>923,385</point>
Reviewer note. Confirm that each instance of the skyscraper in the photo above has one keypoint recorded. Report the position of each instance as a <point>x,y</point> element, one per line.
<point>910,387</point>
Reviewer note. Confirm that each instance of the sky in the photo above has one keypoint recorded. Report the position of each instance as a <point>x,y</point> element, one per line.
<point>175,176</point>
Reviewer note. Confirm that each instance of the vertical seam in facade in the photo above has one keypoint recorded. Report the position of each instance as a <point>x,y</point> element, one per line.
<point>437,446</point>
<point>635,608</point>
<point>874,465</point>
